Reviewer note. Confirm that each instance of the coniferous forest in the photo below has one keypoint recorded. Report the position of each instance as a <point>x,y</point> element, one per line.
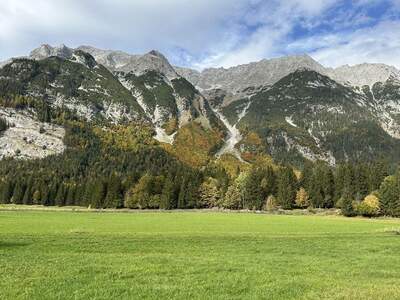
<point>103,169</point>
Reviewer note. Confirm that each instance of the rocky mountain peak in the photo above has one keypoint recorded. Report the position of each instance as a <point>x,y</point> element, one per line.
<point>157,54</point>
<point>138,64</point>
<point>364,74</point>
<point>46,50</point>
<point>264,72</point>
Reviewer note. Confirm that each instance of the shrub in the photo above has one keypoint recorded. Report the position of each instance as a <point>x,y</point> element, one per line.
<point>271,203</point>
<point>369,207</point>
<point>347,207</point>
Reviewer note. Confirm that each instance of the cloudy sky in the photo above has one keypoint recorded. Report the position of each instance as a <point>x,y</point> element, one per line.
<point>210,33</point>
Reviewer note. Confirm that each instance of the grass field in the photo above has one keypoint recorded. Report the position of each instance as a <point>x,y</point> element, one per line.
<point>194,255</point>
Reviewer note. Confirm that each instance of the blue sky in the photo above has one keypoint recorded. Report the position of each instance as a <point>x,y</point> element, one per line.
<point>210,33</point>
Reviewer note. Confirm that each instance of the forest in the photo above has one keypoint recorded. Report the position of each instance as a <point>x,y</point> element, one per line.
<point>122,166</point>
<point>102,168</point>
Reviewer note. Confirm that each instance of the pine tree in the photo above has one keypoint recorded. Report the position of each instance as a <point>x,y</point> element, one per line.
<point>182,195</point>
<point>70,195</point>
<point>306,176</point>
<point>268,182</point>
<point>347,207</point>
<point>6,192</point>
<point>360,182</point>
<point>99,193</point>
<point>18,193</point>
<point>286,188</point>
<point>328,187</point>
<point>378,171</point>
<point>389,195</point>
<point>254,194</point>
<point>27,199</point>
<point>167,195</point>
<point>114,197</point>
<point>344,181</point>
<point>316,192</point>
<point>60,196</point>
<point>44,193</point>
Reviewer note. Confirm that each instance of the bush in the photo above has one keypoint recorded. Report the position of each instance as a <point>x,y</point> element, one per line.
<point>271,203</point>
<point>347,207</point>
<point>369,207</point>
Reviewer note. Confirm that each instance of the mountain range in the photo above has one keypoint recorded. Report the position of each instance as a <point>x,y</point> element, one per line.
<point>291,109</point>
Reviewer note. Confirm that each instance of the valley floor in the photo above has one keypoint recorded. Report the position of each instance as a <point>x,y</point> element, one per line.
<point>66,255</point>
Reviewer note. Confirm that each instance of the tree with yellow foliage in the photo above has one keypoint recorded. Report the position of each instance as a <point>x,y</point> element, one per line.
<point>369,207</point>
<point>302,198</point>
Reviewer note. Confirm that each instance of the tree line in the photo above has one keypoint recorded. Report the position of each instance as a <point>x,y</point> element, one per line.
<point>95,171</point>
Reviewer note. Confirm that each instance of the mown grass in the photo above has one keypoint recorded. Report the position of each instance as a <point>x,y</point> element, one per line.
<point>194,255</point>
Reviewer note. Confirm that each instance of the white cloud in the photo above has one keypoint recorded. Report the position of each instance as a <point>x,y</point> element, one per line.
<point>135,26</point>
<point>378,44</point>
<point>275,20</point>
<point>204,33</point>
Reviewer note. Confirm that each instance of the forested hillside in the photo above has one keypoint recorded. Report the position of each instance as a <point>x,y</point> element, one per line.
<point>73,132</point>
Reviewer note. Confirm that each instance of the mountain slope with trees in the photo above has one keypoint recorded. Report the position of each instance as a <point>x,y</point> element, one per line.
<point>141,136</point>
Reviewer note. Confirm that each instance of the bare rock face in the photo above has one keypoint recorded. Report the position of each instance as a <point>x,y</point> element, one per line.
<point>363,74</point>
<point>45,51</point>
<point>268,72</point>
<point>27,138</point>
<point>138,64</point>
<point>3,63</point>
<point>114,60</point>
<point>264,72</point>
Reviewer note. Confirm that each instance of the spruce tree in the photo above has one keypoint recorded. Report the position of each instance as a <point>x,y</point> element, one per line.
<point>254,194</point>
<point>18,193</point>
<point>389,195</point>
<point>70,195</point>
<point>347,204</point>
<point>182,195</point>
<point>59,200</point>
<point>114,197</point>
<point>287,185</point>
<point>99,193</point>
<point>167,195</point>
<point>6,192</point>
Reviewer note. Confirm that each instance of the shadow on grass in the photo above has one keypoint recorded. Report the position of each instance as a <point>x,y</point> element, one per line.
<point>10,245</point>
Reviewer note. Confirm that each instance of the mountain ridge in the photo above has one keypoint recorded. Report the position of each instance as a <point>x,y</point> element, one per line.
<point>233,79</point>
<point>311,104</point>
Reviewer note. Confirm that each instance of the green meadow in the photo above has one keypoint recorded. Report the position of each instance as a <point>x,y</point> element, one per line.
<point>196,255</point>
